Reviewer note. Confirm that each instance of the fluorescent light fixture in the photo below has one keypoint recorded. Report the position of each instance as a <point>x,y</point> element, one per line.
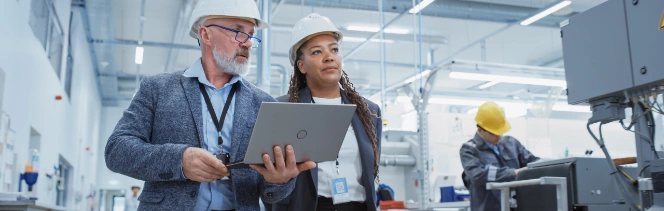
<point>487,85</point>
<point>139,55</point>
<point>418,76</point>
<point>571,108</point>
<point>546,12</point>
<point>508,79</point>
<point>113,182</point>
<point>385,41</point>
<point>359,39</point>
<point>376,29</point>
<point>420,6</point>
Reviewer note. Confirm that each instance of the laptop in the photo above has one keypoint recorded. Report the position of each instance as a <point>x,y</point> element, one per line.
<point>315,131</point>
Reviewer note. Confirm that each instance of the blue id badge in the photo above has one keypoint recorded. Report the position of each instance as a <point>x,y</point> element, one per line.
<point>340,193</point>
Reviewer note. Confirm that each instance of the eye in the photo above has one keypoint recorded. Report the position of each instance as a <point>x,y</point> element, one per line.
<point>336,50</point>
<point>316,52</point>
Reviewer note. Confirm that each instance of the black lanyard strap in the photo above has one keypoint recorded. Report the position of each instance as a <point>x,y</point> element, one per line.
<point>218,123</point>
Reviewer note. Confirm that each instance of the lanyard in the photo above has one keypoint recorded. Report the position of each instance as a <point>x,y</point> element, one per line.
<point>337,160</point>
<point>218,123</point>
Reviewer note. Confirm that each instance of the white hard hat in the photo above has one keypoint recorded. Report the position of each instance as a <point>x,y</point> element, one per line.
<point>243,9</point>
<point>308,27</point>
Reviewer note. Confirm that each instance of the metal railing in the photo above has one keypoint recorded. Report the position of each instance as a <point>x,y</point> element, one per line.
<point>504,187</point>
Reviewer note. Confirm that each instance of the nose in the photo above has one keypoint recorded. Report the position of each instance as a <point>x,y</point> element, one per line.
<point>246,44</point>
<point>328,58</point>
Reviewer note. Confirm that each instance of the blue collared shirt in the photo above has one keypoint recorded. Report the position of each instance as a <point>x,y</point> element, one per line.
<point>494,147</point>
<point>217,195</point>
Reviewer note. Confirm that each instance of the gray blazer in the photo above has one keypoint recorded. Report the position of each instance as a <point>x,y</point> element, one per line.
<point>165,118</point>
<point>305,194</point>
<point>482,165</point>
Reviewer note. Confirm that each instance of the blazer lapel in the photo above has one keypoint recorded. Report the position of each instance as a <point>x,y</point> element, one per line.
<point>242,122</point>
<point>193,95</point>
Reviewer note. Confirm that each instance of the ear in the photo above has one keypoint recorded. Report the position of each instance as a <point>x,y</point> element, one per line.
<point>300,65</point>
<point>205,35</point>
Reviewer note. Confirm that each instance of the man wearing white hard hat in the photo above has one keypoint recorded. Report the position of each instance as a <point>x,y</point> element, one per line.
<point>348,183</point>
<point>176,134</point>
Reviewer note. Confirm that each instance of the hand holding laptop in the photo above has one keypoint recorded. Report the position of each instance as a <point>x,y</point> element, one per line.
<point>281,171</point>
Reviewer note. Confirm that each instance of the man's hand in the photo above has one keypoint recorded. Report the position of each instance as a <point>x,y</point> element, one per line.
<point>281,172</point>
<point>201,166</point>
<point>516,172</point>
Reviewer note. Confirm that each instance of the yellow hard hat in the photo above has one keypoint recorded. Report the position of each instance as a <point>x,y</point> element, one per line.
<point>491,117</point>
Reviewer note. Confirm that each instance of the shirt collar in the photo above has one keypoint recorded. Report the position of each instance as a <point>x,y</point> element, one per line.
<point>196,71</point>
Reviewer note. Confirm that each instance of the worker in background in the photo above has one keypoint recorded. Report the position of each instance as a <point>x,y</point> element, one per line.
<point>131,202</point>
<point>491,157</point>
<point>176,138</point>
<point>318,78</point>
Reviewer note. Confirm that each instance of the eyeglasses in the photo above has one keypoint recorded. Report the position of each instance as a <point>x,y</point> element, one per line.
<point>241,37</point>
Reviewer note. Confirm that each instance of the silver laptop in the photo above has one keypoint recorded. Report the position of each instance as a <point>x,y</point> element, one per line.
<point>315,131</point>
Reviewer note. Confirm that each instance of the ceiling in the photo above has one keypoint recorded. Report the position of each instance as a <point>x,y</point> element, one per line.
<point>447,27</point>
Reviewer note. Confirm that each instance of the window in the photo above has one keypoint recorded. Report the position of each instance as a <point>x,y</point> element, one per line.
<point>48,30</point>
<point>69,68</point>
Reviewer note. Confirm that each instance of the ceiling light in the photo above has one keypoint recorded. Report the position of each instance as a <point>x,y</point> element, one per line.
<point>508,79</point>
<point>418,76</point>
<point>354,39</point>
<point>139,55</point>
<point>359,39</point>
<point>546,12</point>
<point>570,108</point>
<point>385,41</point>
<point>376,29</point>
<point>487,85</point>
<point>420,6</point>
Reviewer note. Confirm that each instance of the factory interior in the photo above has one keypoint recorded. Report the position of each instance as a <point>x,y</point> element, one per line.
<point>579,81</point>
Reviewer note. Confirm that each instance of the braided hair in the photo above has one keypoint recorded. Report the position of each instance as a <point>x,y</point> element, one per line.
<point>299,81</point>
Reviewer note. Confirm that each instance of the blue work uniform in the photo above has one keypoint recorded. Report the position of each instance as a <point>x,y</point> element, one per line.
<point>483,163</point>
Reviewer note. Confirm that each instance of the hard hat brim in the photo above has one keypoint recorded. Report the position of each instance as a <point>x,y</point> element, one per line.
<point>258,23</point>
<point>499,131</point>
<point>293,51</point>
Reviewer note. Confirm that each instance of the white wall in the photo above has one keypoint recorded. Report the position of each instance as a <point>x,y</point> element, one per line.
<point>67,127</point>
<point>107,179</point>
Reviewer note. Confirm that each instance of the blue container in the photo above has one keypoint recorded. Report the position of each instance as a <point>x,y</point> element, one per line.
<point>447,194</point>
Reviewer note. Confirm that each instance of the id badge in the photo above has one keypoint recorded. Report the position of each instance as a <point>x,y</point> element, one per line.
<point>340,193</point>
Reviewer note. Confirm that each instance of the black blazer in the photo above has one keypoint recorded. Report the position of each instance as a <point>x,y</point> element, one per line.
<point>305,195</point>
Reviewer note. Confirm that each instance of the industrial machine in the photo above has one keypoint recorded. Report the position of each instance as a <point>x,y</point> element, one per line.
<point>614,60</point>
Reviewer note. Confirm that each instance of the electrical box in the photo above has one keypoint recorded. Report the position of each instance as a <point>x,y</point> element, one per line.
<point>614,50</point>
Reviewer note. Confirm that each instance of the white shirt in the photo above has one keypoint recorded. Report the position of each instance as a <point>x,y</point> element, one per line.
<point>131,203</point>
<point>349,164</point>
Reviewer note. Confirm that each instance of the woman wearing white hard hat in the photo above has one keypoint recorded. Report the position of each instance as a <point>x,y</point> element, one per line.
<point>349,182</point>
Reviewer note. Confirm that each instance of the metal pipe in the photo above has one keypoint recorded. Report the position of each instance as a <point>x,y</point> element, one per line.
<point>479,64</point>
<point>395,148</point>
<point>276,8</point>
<point>263,70</point>
<point>383,73</point>
<point>397,160</point>
<point>449,58</point>
<point>88,35</point>
<point>141,21</point>
<point>284,78</point>
<point>178,34</point>
<point>352,52</point>
<point>192,47</point>
<point>459,9</point>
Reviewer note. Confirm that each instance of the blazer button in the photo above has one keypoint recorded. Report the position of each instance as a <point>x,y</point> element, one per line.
<point>269,195</point>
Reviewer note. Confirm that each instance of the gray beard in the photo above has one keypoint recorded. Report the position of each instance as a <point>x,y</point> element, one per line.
<point>229,65</point>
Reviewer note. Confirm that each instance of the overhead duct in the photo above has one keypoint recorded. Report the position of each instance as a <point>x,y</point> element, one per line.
<point>448,9</point>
